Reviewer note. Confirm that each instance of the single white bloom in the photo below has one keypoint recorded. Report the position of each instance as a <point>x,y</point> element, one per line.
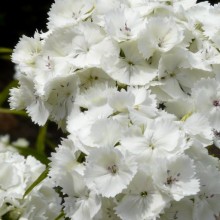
<point>43,202</point>
<point>63,162</point>
<point>107,211</point>
<point>161,137</point>
<point>68,13</point>
<point>180,210</point>
<point>200,155</point>
<point>60,93</point>
<point>106,132</point>
<point>102,7</point>
<point>199,130</point>
<point>89,45</point>
<point>128,66</point>
<point>161,34</point>
<point>123,24</point>
<point>142,200</point>
<point>206,95</point>
<point>176,177</point>
<point>95,96</point>
<point>25,97</point>
<point>89,78</point>
<point>206,205</point>
<point>180,107</point>
<point>81,203</point>
<point>108,171</point>
<point>26,52</point>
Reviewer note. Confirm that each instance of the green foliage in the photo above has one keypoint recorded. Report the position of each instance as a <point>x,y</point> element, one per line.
<point>36,182</point>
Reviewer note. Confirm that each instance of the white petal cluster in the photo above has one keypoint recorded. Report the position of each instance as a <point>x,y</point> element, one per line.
<point>136,84</point>
<point>17,174</point>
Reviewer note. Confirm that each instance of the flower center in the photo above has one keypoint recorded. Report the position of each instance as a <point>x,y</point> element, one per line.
<point>144,194</point>
<point>216,103</point>
<point>113,169</point>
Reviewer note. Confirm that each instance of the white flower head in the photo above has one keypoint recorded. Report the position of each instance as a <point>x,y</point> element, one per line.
<point>180,210</point>
<point>161,137</point>
<point>25,97</point>
<point>60,93</point>
<point>176,177</point>
<point>206,95</point>
<point>81,203</point>
<point>161,34</point>
<point>68,12</point>
<point>123,24</point>
<point>26,52</point>
<point>142,200</point>
<point>108,171</point>
<point>106,132</point>
<point>206,205</point>
<point>128,66</point>
<point>199,130</point>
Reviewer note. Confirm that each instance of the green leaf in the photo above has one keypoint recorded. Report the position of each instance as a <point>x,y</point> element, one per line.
<point>36,182</point>
<point>40,144</point>
<point>5,50</point>
<point>60,216</point>
<point>4,94</point>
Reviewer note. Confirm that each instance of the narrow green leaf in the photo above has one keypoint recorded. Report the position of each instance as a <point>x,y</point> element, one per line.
<point>14,112</point>
<point>5,56</point>
<point>40,144</point>
<point>36,182</point>
<point>5,92</point>
<point>5,50</point>
<point>60,216</point>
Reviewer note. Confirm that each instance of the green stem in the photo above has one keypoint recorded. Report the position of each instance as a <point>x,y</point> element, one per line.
<point>14,112</point>
<point>41,139</point>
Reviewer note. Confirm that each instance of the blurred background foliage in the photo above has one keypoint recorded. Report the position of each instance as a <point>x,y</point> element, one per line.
<point>17,18</point>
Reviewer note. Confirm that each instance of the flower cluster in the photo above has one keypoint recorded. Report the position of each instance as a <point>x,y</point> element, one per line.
<point>17,174</point>
<point>136,84</point>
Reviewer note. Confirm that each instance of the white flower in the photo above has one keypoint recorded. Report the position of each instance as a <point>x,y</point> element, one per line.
<point>206,205</point>
<point>68,13</point>
<point>206,95</point>
<point>108,171</point>
<point>161,137</point>
<point>44,199</point>
<point>176,177</point>
<point>16,175</point>
<point>95,96</point>
<point>106,132</point>
<point>161,34</point>
<point>123,24</point>
<point>65,164</point>
<point>180,210</point>
<point>142,200</point>
<point>25,97</point>
<point>198,129</point>
<point>107,211</point>
<point>81,203</point>
<point>89,45</point>
<point>26,52</point>
<point>60,94</point>
<point>128,66</point>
